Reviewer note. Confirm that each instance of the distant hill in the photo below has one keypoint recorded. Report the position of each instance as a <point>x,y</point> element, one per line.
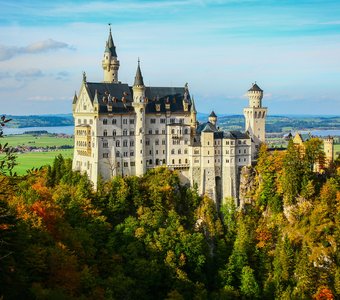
<point>40,121</point>
<point>226,122</point>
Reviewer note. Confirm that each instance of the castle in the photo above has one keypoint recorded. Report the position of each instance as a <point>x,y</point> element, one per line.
<point>126,130</point>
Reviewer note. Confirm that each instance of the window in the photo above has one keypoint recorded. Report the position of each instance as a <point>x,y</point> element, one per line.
<point>172,120</point>
<point>173,151</point>
<point>132,121</point>
<point>91,121</point>
<point>105,133</point>
<point>105,155</point>
<point>105,121</point>
<point>132,143</point>
<point>162,121</point>
<point>150,152</point>
<point>156,151</point>
<point>172,131</point>
<point>186,142</point>
<point>186,160</point>
<point>239,151</point>
<point>150,131</point>
<point>126,164</point>
<point>114,121</point>
<point>227,152</point>
<point>179,151</point>
<point>173,161</point>
<point>132,164</point>
<point>227,142</point>
<point>163,142</point>
<point>239,142</point>
<point>118,164</point>
<point>117,153</point>
<point>179,161</point>
<point>118,143</point>
<point>245,151</point>
<point>185,151</point>
<point>163,131</point>
<point>105,145</point>
<point>156,131</point>
<point>150,162</point>
<point>132,132</point>
<point>186,131</point>
<point>157,142</point>
<point>132,153</point>
<point>152,121</point>
<point>125,154</point>
<point>181,121</point>
<point>114,132</point>
<point>125,143</point>
<point>124,121</point>
<point>147,142</point>
<point>124,132</point>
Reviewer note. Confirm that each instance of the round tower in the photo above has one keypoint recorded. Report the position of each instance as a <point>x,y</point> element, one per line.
<point>255,115</point>
<point>212,118</point>
<point>110,62</point>
<point>328,147</point>
<point>139,104</point>
<point>255,95</point>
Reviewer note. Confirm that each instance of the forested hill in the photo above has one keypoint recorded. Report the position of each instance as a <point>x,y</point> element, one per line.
<point>40,120</point>
<point>151,238</point>
<point>232,122</point>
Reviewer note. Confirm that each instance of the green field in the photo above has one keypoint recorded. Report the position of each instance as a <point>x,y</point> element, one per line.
<point>29,160</point>
<point>38,141</point>
<point>336,150</point>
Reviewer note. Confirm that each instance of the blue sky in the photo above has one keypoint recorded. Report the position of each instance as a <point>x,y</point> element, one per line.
<point>291,48</point>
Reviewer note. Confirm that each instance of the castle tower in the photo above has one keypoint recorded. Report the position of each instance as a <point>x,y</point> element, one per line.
<point>213,118</point>
<point>193,115</point>
<point>328,147</point>
<point>139,106</point>
<point>255,115</point>
<point>110,62</point>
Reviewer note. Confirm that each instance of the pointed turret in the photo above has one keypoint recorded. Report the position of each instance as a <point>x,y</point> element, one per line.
<point>139,77</point>
<point>110,46</point>
<point>110,62</point>
<point>193,108</point>
<point>213,118</point>
<point>75,98</point>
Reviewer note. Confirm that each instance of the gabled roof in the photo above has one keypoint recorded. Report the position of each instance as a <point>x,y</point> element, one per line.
<point>255,88</point>
<point>206,127</point>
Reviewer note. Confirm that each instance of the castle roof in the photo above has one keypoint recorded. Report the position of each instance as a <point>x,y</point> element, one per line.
<point>255,88</point>
<point>138,77</point>
<point>119,95</point>
<point>110,46</point>
<point>213,115</point>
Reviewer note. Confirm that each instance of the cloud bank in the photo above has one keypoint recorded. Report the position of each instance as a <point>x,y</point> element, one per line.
<point>8,52</point>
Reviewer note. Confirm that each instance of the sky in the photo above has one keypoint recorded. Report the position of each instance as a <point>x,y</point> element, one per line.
<point>291,48</point>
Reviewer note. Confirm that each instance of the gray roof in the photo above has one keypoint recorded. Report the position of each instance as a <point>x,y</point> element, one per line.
<point>110,46</point>
<point>234,134</point>
<point>120,96</point>
<point>255,88</point>
<point>138,77</point>
<point>206,127</point>
<point>213,115</point>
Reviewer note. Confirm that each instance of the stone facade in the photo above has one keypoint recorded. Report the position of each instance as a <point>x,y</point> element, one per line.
<point>126,130</point>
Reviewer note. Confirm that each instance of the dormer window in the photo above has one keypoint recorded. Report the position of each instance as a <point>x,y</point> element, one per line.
<point>158,107</point>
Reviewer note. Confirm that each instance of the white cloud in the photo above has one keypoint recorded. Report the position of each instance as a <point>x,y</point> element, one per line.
<point>8,52</point>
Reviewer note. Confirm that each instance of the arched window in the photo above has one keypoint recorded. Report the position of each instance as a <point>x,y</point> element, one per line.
<point>124,132</point>
<point>173,151</point>
<point>114,132</point>
<point>186,131</point>
<point>179,161</point>
<point>105,132</point>
<point>118,143</point>
<point>125,143</point>
<point>105,121</point>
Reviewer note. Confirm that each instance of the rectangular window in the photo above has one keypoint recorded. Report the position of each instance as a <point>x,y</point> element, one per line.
<point>132,164</point>
<point>132,121</point>
<point>172,120</point>
<point>126,164</point>
<point>105,155</point>
<point>153,121</point>
<point>163,121</point>
<point>124,121</point>
<point>150,131</point>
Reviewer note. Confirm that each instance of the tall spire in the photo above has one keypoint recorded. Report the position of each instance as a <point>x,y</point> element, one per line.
<point>138,77</point>
<point>110,46</point>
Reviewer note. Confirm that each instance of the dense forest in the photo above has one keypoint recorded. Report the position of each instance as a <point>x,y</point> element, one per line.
<point>152,238</point>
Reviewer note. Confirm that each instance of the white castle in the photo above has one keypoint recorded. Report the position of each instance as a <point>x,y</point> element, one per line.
<point>127,130</point>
